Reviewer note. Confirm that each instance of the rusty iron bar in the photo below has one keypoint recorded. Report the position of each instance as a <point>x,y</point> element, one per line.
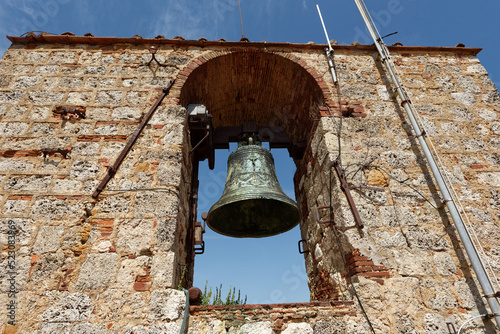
<point>347,191</point>
<point>112,169</point>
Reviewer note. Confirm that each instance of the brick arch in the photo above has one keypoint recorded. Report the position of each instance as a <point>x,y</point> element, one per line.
<point>269,87</point>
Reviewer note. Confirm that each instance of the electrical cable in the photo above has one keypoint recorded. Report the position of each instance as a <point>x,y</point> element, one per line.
<point>343,258</point>
<point>393,178</point>
<point>479,316</point>
<point>339,160</point>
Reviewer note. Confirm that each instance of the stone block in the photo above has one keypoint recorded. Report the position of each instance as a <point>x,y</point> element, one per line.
<point>163,269</point>
<point>9,164</point>
<point>65,186</point>
<point>403,295</point>
<point>13,128</point>
<point>467,83</point>
<point>491,179</point>
<point>165,234</point>
<point>36,57</point>
<point>100,83</point>
<point>298,328</point>
<point>84,149</point>
<point>111,149</point>
<point>45,273</point>
<point>21,228</point>
<point>464,98</point>
<point>82,170</point>
<point>137,98</point>
<point>48,239</point>
<point>39,113</point>
<point>54,328</point>
<point>99,114</point>
<point>40,98</point>
<point>136,236</point>
<point>126,113</point>
<point>156,204</point>
<point>61,57</point>
<point>15,207</point>
<point>130,269</point>
<point>71,307</point>
<point>26,81</point>
<point>47,69</point>
<point>444,264</point>
<point>466,299</point>
<point>43,129</point>
<point>425,239</point>
<point>109,97</point>
<point>435,324</point>
<point>51,208</point>
<point>414,263</point>
<point>386,239</point>
<point>167,304</point>
<point>32,183</point>
<point>330,327</point>
<point>113,204</point>
<point>77,98</point>
<point>98,271</point>
<point>88,328</point>
<point>261,327</point>
<point>99,70</point>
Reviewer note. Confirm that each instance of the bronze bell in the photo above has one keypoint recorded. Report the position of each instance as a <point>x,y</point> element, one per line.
<point>252,204</point>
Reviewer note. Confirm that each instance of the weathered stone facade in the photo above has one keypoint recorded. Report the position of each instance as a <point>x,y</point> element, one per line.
<point>113,264</point>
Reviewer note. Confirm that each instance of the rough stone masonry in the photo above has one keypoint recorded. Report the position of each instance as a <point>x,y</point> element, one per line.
<point>72,263</point>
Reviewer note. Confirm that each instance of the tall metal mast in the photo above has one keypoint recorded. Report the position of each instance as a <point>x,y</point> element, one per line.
<point>471,250</point>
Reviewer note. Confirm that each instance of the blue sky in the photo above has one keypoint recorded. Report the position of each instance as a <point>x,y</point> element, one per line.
<point>269,269</point>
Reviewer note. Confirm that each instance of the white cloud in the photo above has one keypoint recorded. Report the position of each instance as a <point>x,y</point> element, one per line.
<point>191,19</point>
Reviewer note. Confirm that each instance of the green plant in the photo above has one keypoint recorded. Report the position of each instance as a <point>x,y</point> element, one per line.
<point>217,298</point>
<point>179,286</point>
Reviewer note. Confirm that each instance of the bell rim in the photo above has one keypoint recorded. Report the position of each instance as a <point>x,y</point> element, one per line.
<point>288,227</point>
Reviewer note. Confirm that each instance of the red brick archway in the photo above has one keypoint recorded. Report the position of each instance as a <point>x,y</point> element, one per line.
<point>268,87</point>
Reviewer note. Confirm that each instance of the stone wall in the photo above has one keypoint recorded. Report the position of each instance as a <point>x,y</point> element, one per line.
<point>407,263</point>
<point>114,263</point>
<point>111,264</point>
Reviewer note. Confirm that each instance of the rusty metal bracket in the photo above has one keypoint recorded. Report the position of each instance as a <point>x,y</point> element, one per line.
<point>201,249</point>
<point>318,217</point>
<point>67,112</point>
<point>302,251</point>
<point>347,191</point>
<point>48,151</point>
<point>153,50</point>
<point>112,169</point>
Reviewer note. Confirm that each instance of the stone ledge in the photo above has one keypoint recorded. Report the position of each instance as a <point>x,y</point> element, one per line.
<point>332,304</point>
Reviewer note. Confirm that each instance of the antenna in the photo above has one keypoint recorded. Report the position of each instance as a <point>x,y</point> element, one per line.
<point>329,52</point>
<point>324,28</point>
<point>241,21</point>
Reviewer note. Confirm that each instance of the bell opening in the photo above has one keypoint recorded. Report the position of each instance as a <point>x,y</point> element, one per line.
<point>267,270</point>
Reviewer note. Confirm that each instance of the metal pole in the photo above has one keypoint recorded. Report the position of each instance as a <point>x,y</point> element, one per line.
<point>329,53</point>
<point>481,274</point>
